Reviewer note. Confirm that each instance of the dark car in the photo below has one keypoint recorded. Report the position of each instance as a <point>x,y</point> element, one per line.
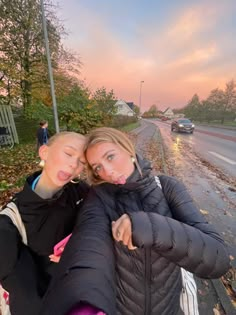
<point>182,124</point>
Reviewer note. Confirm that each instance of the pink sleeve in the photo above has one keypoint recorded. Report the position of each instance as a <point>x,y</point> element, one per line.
<point>85,310</point>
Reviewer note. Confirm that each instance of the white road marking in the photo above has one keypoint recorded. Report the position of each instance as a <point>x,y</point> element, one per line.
<point>223,158</point>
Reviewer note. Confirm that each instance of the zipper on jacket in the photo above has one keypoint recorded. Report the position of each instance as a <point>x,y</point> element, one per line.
<point>147,281</point>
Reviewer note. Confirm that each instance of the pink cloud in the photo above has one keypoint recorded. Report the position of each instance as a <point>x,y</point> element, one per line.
<point>175,62</point>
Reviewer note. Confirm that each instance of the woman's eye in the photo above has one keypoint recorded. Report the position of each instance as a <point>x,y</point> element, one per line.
<point>110,157</point>
<point>68,154</point>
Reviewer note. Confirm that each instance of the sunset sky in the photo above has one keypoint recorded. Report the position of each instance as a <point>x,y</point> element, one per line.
<point>177,47</point>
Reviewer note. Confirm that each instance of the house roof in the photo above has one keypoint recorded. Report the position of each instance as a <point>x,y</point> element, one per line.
<point>124,104</point>
<point>168,109</point>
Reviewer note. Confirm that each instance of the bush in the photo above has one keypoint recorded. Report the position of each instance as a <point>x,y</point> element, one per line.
<point>121,120</point>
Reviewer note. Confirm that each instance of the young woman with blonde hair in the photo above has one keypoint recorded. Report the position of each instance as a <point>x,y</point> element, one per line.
<point>48,206</point>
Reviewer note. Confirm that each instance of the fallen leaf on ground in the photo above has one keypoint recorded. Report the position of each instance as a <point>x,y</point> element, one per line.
<point>204,212</point>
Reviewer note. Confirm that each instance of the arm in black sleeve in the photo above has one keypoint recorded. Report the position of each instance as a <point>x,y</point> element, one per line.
<point>17,270</point>
<point>186,239</point>
<point>86,269</point>
<point>40,136</point>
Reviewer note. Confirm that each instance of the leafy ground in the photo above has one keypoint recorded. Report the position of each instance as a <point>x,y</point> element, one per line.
<point>16,165</point>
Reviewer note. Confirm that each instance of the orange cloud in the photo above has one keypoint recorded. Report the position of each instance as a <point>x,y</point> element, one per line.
<point>175,60</point>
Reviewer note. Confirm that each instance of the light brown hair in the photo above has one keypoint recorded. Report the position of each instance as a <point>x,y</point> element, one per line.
<point>109,135</point>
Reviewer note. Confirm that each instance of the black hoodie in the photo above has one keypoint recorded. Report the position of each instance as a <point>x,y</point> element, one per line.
<point>25,271</point>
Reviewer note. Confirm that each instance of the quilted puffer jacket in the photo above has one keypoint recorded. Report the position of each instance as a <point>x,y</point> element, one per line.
<point>169,232</point>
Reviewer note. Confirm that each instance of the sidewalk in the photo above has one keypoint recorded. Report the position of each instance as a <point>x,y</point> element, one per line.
<point>212,295</point>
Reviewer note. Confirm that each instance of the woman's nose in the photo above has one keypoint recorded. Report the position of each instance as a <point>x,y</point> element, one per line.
<point>74,163</point>
<point>109,170</point>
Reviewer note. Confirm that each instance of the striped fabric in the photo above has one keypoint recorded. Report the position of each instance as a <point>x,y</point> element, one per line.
<point>12,212</point>
<point>188,295</point>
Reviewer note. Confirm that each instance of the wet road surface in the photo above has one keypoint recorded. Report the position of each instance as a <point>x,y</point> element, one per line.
<point>214,192</point>
<point>217,146</point>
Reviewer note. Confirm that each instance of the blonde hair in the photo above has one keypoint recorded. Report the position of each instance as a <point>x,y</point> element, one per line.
<point>110,135</point>
<point>63,134</point>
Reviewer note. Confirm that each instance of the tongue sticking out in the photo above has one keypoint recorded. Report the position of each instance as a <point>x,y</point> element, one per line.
<point>121,180</point>
<point>63,176</point>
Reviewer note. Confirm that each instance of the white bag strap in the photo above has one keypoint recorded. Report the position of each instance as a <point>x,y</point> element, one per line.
<point>188,296</point>
<point>157,179</point>
<point>12,212</point>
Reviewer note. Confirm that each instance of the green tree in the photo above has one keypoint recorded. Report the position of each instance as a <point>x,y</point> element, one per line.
<point>193,109</point>
<point>105,101</point>
<point>136,109</point>
<point>229,104</point>
<point>153,111</point>
<point>22,49</point>
<point>213,105</point>
<point>77,111</point>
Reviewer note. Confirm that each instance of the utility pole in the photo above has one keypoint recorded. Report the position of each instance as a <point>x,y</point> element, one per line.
<point>50,69</point>
<point>140,96</point>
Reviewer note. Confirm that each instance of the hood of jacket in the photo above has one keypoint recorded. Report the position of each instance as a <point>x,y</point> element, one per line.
<point>48,221</point>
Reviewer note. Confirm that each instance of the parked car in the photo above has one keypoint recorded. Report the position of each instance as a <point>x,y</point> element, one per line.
<point>182,124</point>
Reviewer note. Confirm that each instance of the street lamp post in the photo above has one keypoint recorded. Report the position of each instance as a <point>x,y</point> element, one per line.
<point>140,96</point>
<point>54,103</point>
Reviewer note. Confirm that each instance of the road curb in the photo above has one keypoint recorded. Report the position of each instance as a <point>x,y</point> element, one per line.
<point>158,138</point>
<point>223,297</point>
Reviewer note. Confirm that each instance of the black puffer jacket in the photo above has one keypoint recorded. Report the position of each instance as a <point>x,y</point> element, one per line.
<point>25,271</point>
<point>169,233</point>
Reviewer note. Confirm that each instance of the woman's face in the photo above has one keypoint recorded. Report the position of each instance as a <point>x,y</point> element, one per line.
<point>110,162</point>
<point>64,160</point>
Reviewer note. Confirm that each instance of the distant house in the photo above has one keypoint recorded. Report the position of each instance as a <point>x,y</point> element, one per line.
<point>130,104</point>
<point>179,115</point>
<point>168,113</point>
<point>124,109</point>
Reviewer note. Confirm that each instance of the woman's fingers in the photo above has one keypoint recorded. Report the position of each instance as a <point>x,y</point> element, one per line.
<point>126,236</point>
<point>122,231</point>
<point>117,231</point>
<point>130,244</point>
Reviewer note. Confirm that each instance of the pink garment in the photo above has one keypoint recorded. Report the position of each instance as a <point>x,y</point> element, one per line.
<point>86,310</point>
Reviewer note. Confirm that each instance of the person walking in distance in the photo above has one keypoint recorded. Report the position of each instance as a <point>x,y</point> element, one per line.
<point>42,134</point>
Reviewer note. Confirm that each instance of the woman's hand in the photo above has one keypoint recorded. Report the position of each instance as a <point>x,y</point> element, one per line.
<point>122,231</point>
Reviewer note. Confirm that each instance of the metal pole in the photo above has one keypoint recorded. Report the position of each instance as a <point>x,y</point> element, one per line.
<point>140,96</point>
<point>50,69</point>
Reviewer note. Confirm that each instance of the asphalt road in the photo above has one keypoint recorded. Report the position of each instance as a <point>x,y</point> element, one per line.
<point>215,145</point>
